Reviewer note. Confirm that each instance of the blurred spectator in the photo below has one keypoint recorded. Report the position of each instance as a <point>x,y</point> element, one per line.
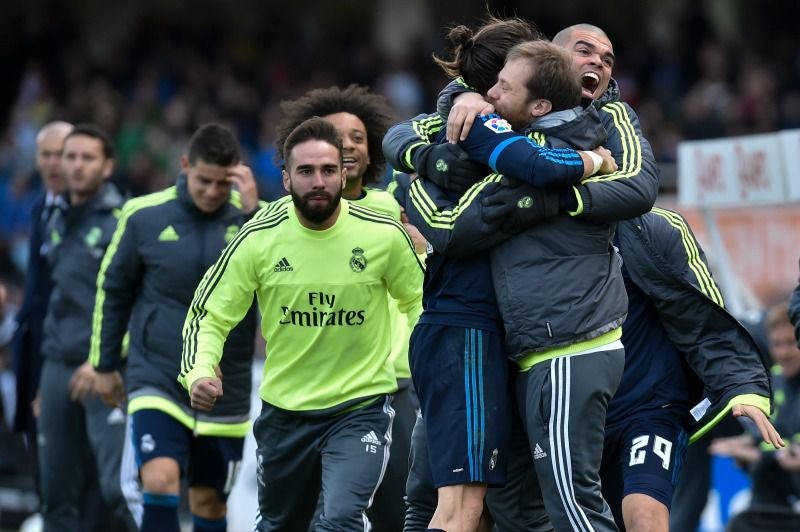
<point>776,474</point>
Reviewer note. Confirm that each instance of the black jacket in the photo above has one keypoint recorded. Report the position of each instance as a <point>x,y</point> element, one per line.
<point>794,312</point>
<point>77,239</point>
<point>557,283</point>
<point>160,252</point>
<point>665,261</point>
<point>26,346</point>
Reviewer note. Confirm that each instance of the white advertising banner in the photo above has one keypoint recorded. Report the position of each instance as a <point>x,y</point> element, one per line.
<point>790,149</point>
<point>748,170</point>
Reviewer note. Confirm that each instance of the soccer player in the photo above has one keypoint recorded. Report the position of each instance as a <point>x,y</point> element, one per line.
<point>322,270</point>
<point>77,430</point>
<point>163,245</point>
<point>543,81</point>
<point>362,118</point>
<point>647,489</point>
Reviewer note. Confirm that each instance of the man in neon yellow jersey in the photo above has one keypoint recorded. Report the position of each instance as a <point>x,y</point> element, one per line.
<point>323,270</point>
<point>362,118</point>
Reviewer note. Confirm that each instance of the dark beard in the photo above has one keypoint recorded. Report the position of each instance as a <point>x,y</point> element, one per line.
<point>316,215</point>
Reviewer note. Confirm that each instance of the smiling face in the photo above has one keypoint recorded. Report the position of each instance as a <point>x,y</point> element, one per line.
<point>510,95</point>
<point>356,149</point>
<point>208,184</point>
<point>315,179</point>
<point>593,58</point>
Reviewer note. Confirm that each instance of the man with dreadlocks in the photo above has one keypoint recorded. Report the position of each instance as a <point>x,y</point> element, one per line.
<point>362,118</point>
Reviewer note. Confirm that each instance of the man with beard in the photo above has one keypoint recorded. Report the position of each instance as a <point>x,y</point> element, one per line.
<point>323,270</point>
<point>362,118</point>
<point>78,434</point>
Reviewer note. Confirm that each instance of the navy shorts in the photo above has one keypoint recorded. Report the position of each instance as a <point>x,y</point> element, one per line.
<point>211,461</point>
<point>462,381</point>
<point>643,455</point>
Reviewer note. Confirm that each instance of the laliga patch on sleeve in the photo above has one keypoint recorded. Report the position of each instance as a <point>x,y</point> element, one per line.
<point>497,124</point>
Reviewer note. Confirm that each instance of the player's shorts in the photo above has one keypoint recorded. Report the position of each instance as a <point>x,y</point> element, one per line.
<point>643,455</point>
<point>211,461</point>
<point>461,378</point>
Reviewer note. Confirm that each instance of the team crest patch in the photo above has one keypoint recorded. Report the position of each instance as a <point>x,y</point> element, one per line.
<point>93,237</point>
<point>358,262</point>
<point>230,232</point>
<point>498,125</point>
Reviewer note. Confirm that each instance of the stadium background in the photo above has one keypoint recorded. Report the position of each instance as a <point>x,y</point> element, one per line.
<point>151,71</point>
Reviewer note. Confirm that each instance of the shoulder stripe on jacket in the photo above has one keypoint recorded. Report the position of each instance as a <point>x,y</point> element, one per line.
<point>696,264</point>
<point>130,207</point>
<point>631,144</point>
<point>264,219</point>
<point>445,219</point>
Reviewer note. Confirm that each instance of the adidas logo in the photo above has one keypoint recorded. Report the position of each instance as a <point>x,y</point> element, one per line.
<point>538,453</point>
<point>168,234</point>
<point>283,266</point>
<point>370,437</point>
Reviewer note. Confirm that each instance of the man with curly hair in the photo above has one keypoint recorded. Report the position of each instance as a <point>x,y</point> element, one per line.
<point>362,119</point>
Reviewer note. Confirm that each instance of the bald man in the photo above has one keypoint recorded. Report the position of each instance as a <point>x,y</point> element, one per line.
<point>27,361</point>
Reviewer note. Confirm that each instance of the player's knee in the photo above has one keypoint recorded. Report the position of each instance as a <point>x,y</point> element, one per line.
<point>205,502</point>
<point>644,514</point>
<point>160,476</point>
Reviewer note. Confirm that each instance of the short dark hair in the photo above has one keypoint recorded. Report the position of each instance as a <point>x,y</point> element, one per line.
<point>552,74</point>
<point>95,132</point>
<point>372,109</point>
<point>214,144</point>
<point>479,55</point>
<point>314,128</point>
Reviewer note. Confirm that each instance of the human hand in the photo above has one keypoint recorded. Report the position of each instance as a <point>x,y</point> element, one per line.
<point>768,432</point>
<point>462,115</point>
<point>82,382</point>
<point>241,176</point>
<point>36,404</point>
<point>448,166</point>
<point>789,458</point>
<point>609,163</point>
<point>110,387</point>
<point>740,448</point>
<point>205,392</point>
<point>420,244</point>
<point>515,207</point>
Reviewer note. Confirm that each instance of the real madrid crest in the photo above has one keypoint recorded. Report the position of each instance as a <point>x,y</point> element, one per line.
<point>358,262</point>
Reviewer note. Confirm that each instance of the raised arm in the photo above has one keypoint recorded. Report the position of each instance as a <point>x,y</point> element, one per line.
<point>630,191</point>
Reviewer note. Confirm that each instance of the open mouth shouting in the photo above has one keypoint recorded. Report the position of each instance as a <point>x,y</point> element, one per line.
<point>589,81</point>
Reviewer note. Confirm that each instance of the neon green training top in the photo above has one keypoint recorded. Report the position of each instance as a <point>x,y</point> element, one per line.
<point>323,297</point>
<point>382,201</point>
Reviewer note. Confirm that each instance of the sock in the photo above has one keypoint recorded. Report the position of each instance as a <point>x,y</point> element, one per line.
<point>201,524</point>
<point>160,513</point>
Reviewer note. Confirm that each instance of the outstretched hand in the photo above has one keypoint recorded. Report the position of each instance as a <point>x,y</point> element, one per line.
<point>768,432</point>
